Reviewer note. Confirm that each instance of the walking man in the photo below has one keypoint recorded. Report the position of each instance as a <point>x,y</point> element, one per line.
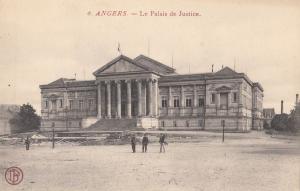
<point>133,143</point>
<point>162,143</point>
<point>145,142</point>
<point>27,143</point>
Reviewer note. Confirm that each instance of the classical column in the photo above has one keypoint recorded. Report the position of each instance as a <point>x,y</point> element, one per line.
<point>170,101</point>
<point>181,96</point>
<point>195,106</point>
<point>118,82</point>
<point>195,96</point>
<point>240,98</point>
<point>144,97</point>
<point>229,100</point>
<point>65,100</point>
<point>181,101</point>
<point>150,97</point>
<point>139,84</point>
<point>218,100</point>
<point>128,82</point>
<point>99,101</point>
<point>155,97</point>
<point>108,99</point>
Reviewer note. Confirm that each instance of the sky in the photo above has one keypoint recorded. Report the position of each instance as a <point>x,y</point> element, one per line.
<point>41,41</point>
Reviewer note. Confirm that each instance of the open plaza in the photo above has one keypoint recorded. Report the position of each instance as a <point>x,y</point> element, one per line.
<point>193,161</point>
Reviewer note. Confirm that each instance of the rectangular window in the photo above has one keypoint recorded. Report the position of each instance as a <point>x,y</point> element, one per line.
<point>71,103</point>
<point>81,106</point>
<point>60,103</point>
<point>213,98</point>
<point>90,103</point>
<point>234,97</point>
<point>187,123</point>
<point>200,123</point>
<point>188,102</point>
<point>245,87</point>
<point>54,105</point>
<point>174,123</point>
<point>176,102</point>
<point>164,102</point>
<point>201,102</point>
<point>46,104</point>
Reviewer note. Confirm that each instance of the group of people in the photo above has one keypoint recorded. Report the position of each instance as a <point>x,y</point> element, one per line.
<point>145,141</point>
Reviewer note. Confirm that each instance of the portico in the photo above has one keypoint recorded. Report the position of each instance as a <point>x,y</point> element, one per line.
<point>126,89</point>
<point>127,98</point>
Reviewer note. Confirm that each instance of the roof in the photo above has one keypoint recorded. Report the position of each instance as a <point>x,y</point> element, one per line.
<point>65,83</point>
<point>256,84</point>
<point>183,77</point>
<point>60,82</point>
<point>224,73</point>
<point>154,65</point>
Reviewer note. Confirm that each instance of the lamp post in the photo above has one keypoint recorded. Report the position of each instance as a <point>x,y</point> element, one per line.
<point>223,125</point>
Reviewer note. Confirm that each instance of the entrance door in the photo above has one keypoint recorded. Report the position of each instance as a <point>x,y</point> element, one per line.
<point>123,109</point>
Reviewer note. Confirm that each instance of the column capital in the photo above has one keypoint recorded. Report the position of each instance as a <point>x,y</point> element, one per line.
<point>149,80</point>
<point>107,81</point>
<point>139,80</point>
<point>117,81</point>
<point>128,81</point>
<point>98,82</point>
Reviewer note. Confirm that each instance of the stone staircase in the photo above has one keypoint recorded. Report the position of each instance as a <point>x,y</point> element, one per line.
<point>114,125</point>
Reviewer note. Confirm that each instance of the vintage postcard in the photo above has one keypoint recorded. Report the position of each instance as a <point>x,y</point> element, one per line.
<point>136,95</point>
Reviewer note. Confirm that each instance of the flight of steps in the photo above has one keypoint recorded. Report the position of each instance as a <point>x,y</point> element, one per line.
<point>114,125</point>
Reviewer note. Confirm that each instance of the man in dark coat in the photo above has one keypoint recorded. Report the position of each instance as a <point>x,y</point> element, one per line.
<point>27,143</point>
<point>133,143</point>
<point>162,142</point>
<point>145,142</point>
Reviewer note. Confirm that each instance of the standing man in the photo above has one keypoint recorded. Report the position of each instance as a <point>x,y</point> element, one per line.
<point>27,143</point>
<point>133,143</point>
<point>162,143</point>
<point>145,142</point>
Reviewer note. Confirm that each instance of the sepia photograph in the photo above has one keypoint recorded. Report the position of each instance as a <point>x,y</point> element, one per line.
<point>137,95</point>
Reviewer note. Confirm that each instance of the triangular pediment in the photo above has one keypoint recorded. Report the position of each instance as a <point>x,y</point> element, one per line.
<point>223,88</point>
<point>121,64</point>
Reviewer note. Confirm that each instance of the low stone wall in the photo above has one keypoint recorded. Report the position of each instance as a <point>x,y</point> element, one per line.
<point>147,122</point>
<point>61,125</point>
<point>181,123</point>
<point>211,123</point>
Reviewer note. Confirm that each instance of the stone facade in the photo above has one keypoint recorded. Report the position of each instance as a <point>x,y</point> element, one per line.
<point>155,96</point>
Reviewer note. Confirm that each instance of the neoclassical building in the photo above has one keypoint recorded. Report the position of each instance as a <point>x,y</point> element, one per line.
<point>144,93</point>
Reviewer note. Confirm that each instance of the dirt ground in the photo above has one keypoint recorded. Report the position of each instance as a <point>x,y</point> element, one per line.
<point>252,161</point>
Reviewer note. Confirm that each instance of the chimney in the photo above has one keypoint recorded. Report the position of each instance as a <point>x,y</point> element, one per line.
<point>281,106</point>
<point>297,96</point>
